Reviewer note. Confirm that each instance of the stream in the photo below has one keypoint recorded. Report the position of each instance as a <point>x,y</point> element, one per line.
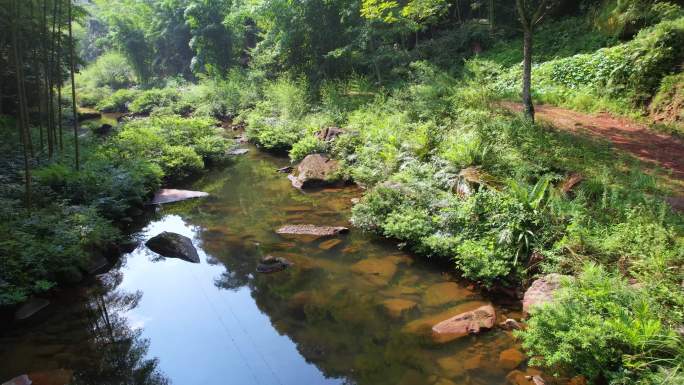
<point>325,320</point>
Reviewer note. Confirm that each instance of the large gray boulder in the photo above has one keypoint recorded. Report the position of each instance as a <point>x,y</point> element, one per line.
<point>315,170</point>
<point>172,245</point>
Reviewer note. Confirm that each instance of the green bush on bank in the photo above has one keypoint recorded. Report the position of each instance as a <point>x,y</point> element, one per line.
<point>179,146</point>
<point>74,212</point>
<point>606,329</point>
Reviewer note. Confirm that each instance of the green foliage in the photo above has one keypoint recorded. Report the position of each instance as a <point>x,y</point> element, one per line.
<point>601,327</point>
<point>117,101</point>
<point>109,70</point>
<point>179,146</point>
<point>146,101</point>
<point>180,162</point>
<point>630,72</point>
<point>305,146</point>
<point>275,122</point>
<point>46,246</point>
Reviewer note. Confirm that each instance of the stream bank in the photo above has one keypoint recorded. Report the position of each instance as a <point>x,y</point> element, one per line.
<point>352,308</point>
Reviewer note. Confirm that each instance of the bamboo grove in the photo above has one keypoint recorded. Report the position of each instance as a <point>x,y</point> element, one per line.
<point>37,86</point>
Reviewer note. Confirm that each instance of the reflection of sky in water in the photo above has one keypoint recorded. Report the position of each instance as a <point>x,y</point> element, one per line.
<point>203,335</point>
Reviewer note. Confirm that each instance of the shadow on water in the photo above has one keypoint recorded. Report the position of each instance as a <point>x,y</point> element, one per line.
<point>352,309</point>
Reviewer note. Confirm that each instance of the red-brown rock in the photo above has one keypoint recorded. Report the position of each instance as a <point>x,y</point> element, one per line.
<point>314,170</point>
<point>471,322</point>
<point>541,291</point>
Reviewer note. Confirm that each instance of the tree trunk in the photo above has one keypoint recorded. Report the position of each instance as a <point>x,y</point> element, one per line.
<point>21,121</point>
<point>528,107</point>
<point>59,77</point>
<point>73,89</point>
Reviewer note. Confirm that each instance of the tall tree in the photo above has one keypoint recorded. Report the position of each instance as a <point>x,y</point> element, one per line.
<point>21,98</point>
<point>530,13</point>
<point>72,70</point>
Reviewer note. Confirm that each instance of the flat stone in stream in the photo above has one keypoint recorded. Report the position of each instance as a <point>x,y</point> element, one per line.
<point>238,151</point>
<point>471,322</point>
<point>168,195</point>
<point>270,264</point>
<point>318,231</point>
<point>172,245</point>
<point>30,308</point>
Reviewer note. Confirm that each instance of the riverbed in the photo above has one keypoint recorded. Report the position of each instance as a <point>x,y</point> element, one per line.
<point>351,310</point>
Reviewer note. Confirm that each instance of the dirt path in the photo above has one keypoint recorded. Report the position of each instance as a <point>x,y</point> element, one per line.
<point>637,139</point>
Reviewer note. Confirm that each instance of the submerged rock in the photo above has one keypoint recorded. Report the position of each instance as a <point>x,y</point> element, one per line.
<point>376,270</point>
<point>329,244</point>
<point>471,322</point>
<point>442,293</point>
<point>172,245</point>
<point>271,264</point>
<point>541,291</point>
<point>511,358</point>
<point>315,170</point>
<point>398,307</point>
<point>529,377</point>
<point>319,231</point>
<point>30,308</point>
<point>169,195</point>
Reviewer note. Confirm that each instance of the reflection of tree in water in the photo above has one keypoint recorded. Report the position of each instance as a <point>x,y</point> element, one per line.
<point>119,353</point>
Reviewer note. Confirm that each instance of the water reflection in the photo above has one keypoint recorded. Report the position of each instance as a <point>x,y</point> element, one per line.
<point>83,339</point>
<point>205,335</point>
<point>350,311</point>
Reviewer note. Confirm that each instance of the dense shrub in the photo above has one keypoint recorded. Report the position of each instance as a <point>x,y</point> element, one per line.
<point>603,328</point>
<point>274,123</point>
<point>117,101</point>
<point>146,101</point>
<point>109,70</point>
<point>179,146</point>
<point>631,71</point>
<point>46,246</point>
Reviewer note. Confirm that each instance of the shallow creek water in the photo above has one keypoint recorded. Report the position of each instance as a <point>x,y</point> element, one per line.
<point>325,320</point>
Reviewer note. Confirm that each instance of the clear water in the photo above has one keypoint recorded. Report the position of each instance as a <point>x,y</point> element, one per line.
<point>322,321</point>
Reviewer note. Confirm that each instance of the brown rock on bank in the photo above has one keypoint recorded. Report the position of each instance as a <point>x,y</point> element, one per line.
<point>315,170</point>
<point>541,291</point>
<point>471,322</point>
